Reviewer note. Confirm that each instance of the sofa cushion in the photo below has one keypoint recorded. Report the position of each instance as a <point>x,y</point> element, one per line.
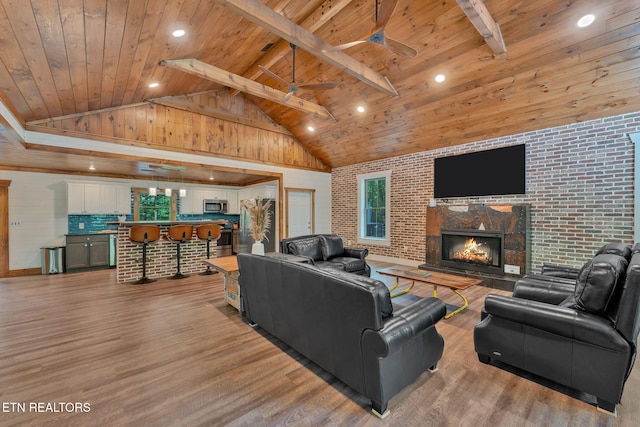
<point>349,264</point>
<point>621,249</point>
<point>330,265</point>
<point>597,281</point>
<point>380,290</point>
<point>306,247</point>
<point>331,245</point>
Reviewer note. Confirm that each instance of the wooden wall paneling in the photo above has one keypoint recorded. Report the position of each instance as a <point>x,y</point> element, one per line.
<point>4,227</point>
<point>187,131</point>
<point>159,137</point>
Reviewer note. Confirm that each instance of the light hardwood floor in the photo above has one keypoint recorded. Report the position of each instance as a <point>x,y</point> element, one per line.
<point>172,353</point>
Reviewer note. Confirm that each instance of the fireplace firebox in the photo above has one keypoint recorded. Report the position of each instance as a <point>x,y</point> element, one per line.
<point>476,250</point>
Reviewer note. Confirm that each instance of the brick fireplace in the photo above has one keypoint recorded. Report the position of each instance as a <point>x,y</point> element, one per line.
<point>479,238</point>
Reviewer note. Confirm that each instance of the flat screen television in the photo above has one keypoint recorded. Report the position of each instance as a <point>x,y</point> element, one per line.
<point>493,172</point>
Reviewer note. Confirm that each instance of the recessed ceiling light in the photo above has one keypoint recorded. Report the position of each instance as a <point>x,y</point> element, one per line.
<point>154,84</point>
<point>92,167</point>
<point>440,78</point>
<point>210,177</point>
<point>360,109</point>
<point>178,33</point>
<point>311,128</point>
<point>586,20</point>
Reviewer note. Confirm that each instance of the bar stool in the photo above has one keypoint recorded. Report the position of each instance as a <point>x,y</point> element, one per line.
<point>144,234</point>
<point>179,234</point>
<point>208,232</point>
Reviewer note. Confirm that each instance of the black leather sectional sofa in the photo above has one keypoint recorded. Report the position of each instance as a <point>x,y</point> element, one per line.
<point>343,322</point>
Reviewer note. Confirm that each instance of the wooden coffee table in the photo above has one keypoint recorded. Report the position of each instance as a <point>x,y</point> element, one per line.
<point>435,278</point>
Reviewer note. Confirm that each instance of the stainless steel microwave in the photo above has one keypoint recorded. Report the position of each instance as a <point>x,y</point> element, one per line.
<point>215,206</point>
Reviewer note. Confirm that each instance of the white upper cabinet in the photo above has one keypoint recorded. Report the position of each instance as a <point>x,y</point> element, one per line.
<point>83,198</point>
<point>215,195</point>
<point>233,206</point>
<point>93,198</point>
<point>115,199</point>
<point>192,204</point>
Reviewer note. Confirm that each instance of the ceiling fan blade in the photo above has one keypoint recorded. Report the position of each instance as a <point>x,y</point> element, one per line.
<point>273,76</point>
<point>399,47</point>
<point>344,46</point>
<point>384,12</point>
<point>287,96</point>
<point>318,86</point>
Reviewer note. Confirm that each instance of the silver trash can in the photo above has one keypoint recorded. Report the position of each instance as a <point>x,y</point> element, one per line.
<point>53,259</point>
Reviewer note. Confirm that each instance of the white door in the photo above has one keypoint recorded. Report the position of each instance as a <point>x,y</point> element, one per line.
<point>299,211</point>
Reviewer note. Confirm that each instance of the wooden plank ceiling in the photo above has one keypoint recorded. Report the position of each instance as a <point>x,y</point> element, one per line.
<point>79,58</point>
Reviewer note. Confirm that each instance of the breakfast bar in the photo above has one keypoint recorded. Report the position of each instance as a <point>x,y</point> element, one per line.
<point>161,254</point>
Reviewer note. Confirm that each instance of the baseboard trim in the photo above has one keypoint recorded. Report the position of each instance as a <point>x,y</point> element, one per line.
<point>24,272</point>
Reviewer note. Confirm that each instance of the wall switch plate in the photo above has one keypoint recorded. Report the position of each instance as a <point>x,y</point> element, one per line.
<point>81,225</point>
<point>511,269</point>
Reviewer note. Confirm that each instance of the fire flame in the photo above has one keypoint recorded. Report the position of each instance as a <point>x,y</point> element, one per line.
<point>472,251</point>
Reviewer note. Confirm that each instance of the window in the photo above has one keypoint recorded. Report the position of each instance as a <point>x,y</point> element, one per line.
<point>374,208</point>
<point>153,208</point>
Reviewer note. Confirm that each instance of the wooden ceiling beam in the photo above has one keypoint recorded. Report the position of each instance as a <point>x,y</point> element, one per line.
<point>261,15</point>
<point>225,78</point>
<point>182,103</point>
<point>313,23</point>
<point>488,28</point>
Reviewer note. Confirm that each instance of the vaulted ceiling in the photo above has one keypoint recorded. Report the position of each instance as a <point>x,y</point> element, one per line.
<point>77,58</point>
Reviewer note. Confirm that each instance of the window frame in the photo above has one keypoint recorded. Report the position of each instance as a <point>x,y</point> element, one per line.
<point>362,223</point>
<point>136,204</point>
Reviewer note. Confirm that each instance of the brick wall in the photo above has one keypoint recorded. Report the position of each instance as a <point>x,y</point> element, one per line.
<point>579,186</point>
<point>161,256</point>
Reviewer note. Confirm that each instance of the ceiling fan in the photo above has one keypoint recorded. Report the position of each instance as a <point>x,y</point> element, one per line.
<point>377,35</point>
<point>293,87</point>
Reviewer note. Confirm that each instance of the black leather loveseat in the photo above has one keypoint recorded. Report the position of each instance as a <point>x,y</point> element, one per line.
<point>582,335</point>
<point>328,251</point>
<point>343,322</point>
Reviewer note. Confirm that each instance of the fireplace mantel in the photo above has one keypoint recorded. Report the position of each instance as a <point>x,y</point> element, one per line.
<point>511,220</point>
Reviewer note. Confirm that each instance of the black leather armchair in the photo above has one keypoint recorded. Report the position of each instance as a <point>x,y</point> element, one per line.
<point>328,251</point>
<point>582,335</point>
<point>554,270</point>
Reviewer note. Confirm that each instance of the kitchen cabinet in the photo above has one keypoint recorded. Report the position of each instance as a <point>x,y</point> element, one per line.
<point>264,191</point>
<point>115,199</point>
<point>87,251</point>
<point>215,194</point>
<point>233,207</point>
<point>83,198</point>
<point>95,198</point>
<point>191,204</point>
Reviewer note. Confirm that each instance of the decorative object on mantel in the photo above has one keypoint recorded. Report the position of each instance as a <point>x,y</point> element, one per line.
<point>260,216</point>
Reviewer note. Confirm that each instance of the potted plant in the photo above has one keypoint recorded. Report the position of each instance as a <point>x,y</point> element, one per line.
<point>260,221</point>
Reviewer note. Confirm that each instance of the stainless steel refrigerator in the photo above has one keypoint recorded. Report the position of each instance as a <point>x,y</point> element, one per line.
<point>245,239</point>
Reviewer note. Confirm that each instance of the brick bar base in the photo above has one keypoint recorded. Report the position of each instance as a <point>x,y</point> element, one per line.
<point>161,256</point>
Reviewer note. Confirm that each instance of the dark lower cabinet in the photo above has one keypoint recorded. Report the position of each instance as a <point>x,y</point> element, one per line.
<point>87,251</point>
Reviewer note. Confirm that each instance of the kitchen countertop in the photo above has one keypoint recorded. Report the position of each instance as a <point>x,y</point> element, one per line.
<point>195,222</point>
